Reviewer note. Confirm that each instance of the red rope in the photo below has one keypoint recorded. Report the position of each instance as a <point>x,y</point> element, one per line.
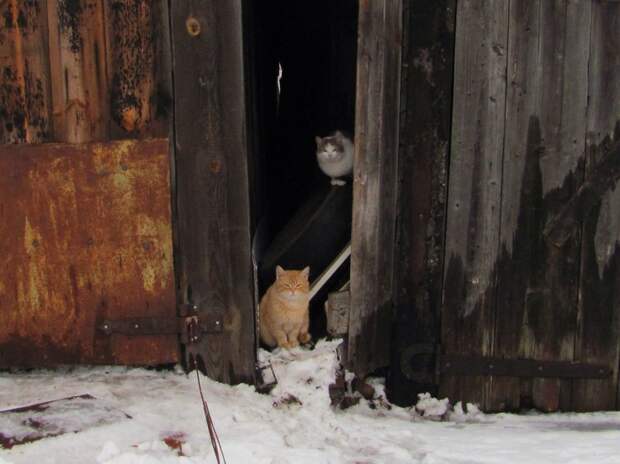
<point>215,439</point>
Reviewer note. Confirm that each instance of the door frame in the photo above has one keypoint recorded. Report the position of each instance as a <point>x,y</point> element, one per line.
<point>211,199</point>
<point>211,146</point>
<point>377,121</point>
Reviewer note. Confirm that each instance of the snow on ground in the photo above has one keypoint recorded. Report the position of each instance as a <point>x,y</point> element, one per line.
<point>294,424</point>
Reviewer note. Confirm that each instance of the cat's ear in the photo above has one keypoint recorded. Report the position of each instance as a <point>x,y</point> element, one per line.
<point>279,272</point>
<point>305,272</point>
<point>317,139</point>
<point>339,135</point>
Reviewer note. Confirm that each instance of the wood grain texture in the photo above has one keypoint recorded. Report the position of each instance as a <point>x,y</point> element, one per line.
<point>374,188</point>
<point>522,138</point>
<point>24,72</point>
<point>426,103</point>
<point>536,109</point>
<point>598,335</point>
<point>84,70</point>
<point>473,213</point>
<point>552,325</point>
<point>544,143</point>
<point>212,224</point>
<point>86,236</point>
<point>78,67</point>
<point>161,100</point>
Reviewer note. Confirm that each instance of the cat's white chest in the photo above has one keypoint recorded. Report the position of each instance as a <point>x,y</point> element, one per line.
<point>337,167</point>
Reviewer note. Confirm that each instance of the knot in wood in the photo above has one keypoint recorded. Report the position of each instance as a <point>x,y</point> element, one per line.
<point>215,166</point>
<point>193,26</point>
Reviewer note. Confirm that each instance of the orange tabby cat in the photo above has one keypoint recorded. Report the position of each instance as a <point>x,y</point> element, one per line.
<point>284,310</point>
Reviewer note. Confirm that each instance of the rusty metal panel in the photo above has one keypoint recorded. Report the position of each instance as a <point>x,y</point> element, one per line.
<point>85,236</point>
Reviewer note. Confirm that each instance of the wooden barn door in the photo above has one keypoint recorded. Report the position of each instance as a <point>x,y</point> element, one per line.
<point>531,306</point>
<point>212,204</point>
<point>86,272</point>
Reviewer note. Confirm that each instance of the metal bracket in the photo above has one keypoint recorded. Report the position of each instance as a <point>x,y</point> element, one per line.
<point>189,326</point>
<point>266,378</point>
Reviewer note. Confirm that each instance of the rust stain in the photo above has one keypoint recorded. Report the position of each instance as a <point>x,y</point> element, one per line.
<point>86,236</point>
<point>215,166</point>
<point>175,441</point>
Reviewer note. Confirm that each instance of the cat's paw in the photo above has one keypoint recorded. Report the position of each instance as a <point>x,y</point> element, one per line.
<point>288,345</point>
<point>285,344</point>
<point>305,338</point>
<point>338,182</point>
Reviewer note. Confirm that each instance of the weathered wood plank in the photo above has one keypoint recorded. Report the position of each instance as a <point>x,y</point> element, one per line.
<point>550,316</point>
<point>523,76</point>
<point>472,232</point>
<point>136,31</point>
<point>161,106</point>
<point>213,261</point>
<point>24,72</point>
<point>544,142</point>
<point>599,290</point>
<point>77,48</point>
<point>374,188</point>
<point>426,102</point>
<point>86,236</point>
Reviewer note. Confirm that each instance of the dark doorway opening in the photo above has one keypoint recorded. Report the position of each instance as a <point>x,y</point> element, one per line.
<point>302,76</point>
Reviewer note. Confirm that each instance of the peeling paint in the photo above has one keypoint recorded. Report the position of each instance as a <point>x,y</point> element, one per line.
<point>69,19</point>
<point>23,96</point>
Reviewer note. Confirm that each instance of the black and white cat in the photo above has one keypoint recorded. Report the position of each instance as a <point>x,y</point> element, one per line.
<point>335,156</point>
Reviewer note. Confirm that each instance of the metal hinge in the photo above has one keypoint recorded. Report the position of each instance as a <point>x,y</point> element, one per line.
<point>189,326</point>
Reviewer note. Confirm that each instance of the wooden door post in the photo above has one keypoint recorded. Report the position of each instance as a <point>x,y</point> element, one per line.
<point>212,219</point>
<point>374,188</point>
